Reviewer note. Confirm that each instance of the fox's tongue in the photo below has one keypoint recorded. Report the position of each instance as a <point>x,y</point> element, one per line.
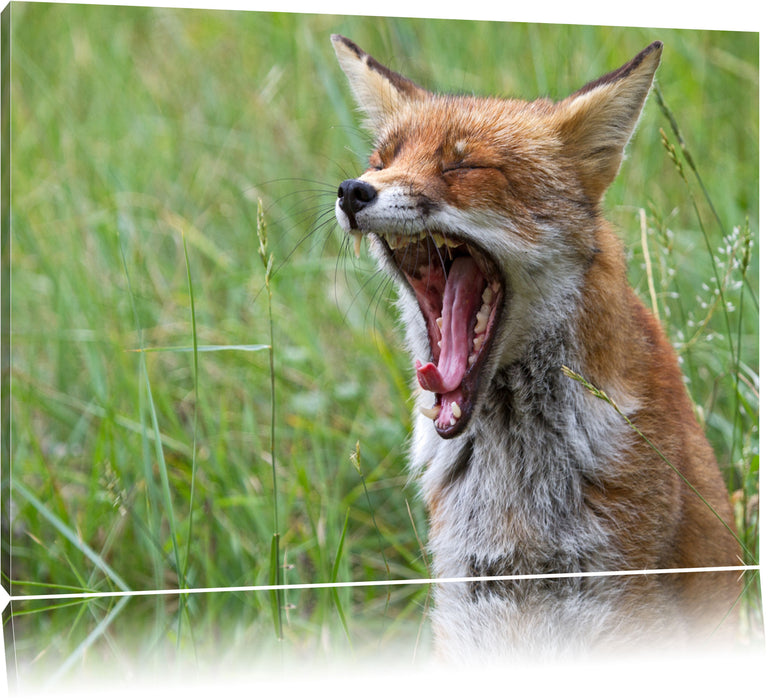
<point>462,298</point>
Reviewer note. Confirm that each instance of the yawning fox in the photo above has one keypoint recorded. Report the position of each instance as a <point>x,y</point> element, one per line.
<point>487,214</point>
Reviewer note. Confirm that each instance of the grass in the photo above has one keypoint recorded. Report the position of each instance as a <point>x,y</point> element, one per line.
<point>137,167</point>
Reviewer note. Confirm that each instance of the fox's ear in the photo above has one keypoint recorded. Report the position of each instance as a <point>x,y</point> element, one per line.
<point>597,121</point>
<point>378,91</point>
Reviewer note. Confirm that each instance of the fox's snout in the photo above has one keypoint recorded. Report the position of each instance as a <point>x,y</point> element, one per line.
<point>353,196</point>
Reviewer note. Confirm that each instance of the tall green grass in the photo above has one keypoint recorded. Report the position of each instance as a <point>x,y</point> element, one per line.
<point>142,140</point>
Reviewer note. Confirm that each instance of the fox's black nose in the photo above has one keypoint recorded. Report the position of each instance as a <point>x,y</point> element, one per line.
<point>354,195</point>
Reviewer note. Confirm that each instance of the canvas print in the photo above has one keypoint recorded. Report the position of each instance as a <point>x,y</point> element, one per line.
<point>366,342</point>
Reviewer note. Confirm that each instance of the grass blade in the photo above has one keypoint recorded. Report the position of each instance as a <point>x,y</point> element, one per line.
<point>275,570</point>
<point>71,536</point>
<point>80,650</point>
<point>202,348</point>
<point>157,436</point>
<point>334,571</point>
<point>183,610</point>
<point>275,596</point>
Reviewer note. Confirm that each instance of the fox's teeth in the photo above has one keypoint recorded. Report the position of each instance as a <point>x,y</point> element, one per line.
<point>357,236</point>
<point>482,322</point>
<point>450,423</point>
<point>477,342</point>
<point>397,241</point>
<point>432,413</point>
<point>439,323</point>
<point>441,241</point>
<point>456,409</point>
<point>487,295</point>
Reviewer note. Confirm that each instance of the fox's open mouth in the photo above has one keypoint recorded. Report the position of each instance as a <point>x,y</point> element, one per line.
<point>459,292</point>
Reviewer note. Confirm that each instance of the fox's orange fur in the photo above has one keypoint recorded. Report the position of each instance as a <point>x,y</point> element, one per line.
<point>486,212</point>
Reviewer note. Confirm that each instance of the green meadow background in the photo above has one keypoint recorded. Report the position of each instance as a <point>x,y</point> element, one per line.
<point>142,142</point>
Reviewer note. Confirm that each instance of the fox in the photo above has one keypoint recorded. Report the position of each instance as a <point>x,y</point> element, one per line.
<point>487,214</point>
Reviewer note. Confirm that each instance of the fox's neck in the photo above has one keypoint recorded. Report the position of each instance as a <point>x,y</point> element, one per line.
<point>537,439</point>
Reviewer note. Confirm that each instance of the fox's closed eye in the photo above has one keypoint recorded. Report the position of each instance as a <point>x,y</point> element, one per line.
<point>461,167</point>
